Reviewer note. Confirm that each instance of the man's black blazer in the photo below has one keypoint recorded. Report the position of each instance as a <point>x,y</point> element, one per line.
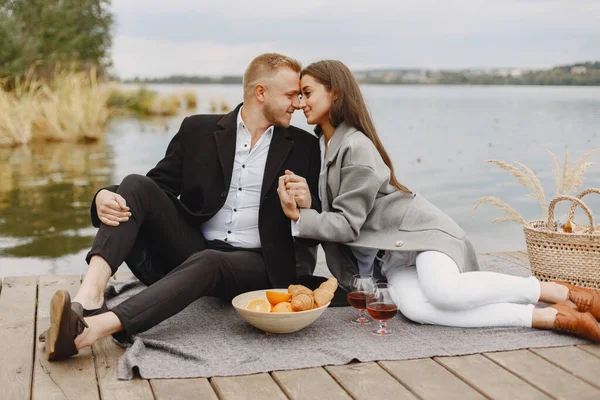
<point>196,174</point>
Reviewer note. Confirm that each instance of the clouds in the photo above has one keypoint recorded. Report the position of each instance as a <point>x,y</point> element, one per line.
<point>161,38</point>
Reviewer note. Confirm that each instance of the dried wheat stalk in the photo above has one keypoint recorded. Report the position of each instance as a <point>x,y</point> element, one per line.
<point>510,214</point>
<point>574,176</point>
<point>527,179</point>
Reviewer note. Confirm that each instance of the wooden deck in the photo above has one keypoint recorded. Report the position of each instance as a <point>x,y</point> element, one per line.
<point>566,372</point>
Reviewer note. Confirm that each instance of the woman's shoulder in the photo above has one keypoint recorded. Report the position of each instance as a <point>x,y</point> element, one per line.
<point>360,150</point>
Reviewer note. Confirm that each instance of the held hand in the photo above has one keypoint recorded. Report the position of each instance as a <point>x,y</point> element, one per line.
<point>300,187</point>
<point>288,204</point>
<point>111,208</point>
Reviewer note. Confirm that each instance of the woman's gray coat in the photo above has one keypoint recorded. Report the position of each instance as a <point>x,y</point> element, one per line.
<point>361,208</point>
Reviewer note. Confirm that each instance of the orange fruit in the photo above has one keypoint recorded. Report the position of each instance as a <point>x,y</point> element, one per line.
<point>277,297</point>
<point>260,304</point>
<point>284,306</point>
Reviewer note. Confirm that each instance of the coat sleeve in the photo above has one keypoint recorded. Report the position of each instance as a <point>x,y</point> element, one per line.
<point>312,181</point>
<point>358,190</point>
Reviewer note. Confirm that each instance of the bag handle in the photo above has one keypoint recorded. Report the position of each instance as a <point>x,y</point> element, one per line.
<point>576,202</point>
<point>580,196</point>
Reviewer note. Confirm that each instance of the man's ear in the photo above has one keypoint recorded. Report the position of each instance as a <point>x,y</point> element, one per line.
<point>259,91</point>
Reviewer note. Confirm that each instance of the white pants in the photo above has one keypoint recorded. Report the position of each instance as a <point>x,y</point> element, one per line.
<point>435,292</point>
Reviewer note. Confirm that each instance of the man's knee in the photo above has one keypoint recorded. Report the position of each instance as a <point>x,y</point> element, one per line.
<point>136,181</point>
<point>207,263</point>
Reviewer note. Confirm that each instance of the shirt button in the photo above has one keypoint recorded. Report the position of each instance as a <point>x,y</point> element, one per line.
<point>240,189</point>
<point>225,239</point>
<point>224,193</point>
<point>244,166</point>
<point>399,243</point>
<point>229,232</point>
<point>245,145</point>
<point>235,210</point>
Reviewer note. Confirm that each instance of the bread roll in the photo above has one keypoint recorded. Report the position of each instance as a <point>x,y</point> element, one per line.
<point>302,302</point>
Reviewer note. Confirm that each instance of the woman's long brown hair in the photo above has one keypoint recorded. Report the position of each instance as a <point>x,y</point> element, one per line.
<point>348,105</point>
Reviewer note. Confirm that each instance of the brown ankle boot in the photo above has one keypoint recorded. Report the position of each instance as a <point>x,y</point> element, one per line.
<point>582,324</point>
<point>587,300</point>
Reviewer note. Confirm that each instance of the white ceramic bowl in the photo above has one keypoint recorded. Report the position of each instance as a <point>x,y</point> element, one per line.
<point>275,322</point>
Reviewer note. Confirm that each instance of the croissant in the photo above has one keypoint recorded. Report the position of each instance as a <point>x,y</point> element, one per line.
<point>298,289</point>
<point>330,285</point>
<point>302,302</point>
<point>322,297</point>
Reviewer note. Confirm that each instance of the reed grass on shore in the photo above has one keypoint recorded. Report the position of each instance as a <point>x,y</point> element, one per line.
<point>76,107</point>
<point>70,108</point>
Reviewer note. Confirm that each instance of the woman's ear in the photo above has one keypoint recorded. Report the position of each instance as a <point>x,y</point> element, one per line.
<point>336,94</point>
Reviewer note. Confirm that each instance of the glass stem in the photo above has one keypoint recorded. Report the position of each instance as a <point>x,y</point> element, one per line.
<point>362,314</point>
<point>382,325</point>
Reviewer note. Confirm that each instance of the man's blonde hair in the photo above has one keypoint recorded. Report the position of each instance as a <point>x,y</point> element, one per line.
<point>264,66</point>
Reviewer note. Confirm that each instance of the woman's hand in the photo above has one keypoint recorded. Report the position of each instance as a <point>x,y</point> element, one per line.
<point>111,208</point>
<point>297,184</point>
<point>288,204</point>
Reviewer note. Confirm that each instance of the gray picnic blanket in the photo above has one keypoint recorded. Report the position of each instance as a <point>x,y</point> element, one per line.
<point>209,338</point>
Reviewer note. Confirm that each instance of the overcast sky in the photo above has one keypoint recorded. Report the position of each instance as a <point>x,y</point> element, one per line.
<point>159,38</point>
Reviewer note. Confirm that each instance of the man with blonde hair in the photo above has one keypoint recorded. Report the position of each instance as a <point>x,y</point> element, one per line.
<point>206,221</point>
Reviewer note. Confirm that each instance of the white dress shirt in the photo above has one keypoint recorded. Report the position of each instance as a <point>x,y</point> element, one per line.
<point>237,221</point>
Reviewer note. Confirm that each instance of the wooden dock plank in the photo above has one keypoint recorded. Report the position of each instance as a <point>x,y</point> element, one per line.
<point>310,383</point>
<point>591,348</point>
<point>489,378</point>
<point>247,387</point>
<point>368,381</point>
<point>106,357</point>
<point>182,389</point>
<point>574,360</point>
<point>429,380</point>
<point>544,375</point>
<point>17,318</point>
<point>72,379</point>
<point>518,255</point>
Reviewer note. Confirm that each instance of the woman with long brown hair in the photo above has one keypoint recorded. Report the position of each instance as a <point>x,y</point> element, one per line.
<point>423,253</point>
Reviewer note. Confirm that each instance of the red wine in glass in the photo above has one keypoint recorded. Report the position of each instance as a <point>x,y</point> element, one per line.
<point>382,311</point>
<point>361,287</point>
<point>382,305</point>
<point>358,300</point>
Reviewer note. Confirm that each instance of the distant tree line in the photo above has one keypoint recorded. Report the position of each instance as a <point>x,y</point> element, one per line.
<point>47,33</point>
<point>561,75</point>
<point>190,79</point>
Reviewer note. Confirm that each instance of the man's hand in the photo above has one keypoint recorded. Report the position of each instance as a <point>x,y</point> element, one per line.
<point>111,208</point>
<point>298,185</point>
<point>288,204</point>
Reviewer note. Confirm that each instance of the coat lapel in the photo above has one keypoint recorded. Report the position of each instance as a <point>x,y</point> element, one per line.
<point>281,144</point>
<point>226,140</point>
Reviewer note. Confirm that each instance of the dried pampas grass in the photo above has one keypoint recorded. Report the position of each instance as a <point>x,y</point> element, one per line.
<point>567,181</point>
<point>510,214</point>
<point>527,178</point>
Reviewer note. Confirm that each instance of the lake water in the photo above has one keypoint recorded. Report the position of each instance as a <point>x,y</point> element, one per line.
<point>439,138</point>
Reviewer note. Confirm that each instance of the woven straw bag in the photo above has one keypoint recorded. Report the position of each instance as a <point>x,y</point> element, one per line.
<point>569,257</point>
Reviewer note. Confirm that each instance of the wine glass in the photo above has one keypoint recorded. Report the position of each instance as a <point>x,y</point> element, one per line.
<point>382,305</point>
<point>361,287</point>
